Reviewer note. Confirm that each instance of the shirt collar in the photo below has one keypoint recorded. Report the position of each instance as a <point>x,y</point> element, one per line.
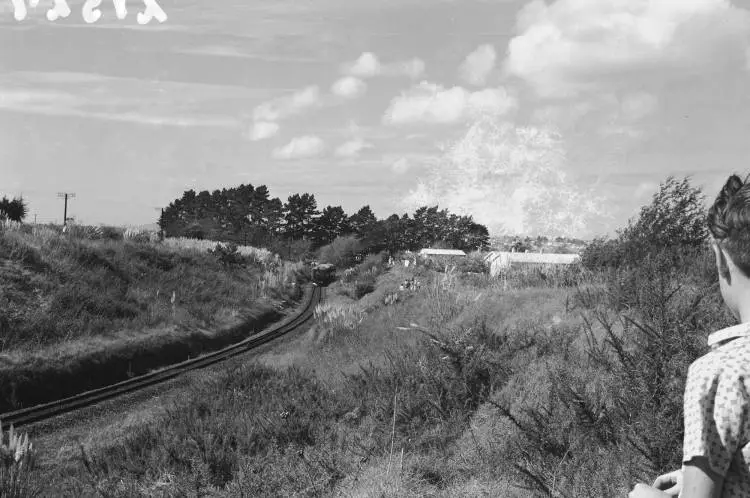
<point>741,330</point>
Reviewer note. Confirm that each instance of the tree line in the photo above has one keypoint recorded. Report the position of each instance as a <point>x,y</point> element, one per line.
<point>249,215</point>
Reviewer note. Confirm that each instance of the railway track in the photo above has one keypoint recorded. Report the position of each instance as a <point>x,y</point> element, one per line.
<point>30,415</point>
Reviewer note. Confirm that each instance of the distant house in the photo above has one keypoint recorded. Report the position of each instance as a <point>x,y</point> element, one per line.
<point>499,261</point>
<point>441,252</point>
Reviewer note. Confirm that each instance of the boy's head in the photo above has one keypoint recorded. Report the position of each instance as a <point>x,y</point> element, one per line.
<point>729,224</point>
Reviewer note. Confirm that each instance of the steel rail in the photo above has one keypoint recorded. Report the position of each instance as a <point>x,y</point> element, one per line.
<point>45,411</point>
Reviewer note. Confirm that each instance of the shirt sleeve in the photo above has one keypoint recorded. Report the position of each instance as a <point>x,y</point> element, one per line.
<point>715,407</point>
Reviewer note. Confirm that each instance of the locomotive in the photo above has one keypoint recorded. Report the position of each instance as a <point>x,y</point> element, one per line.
<point>323,274</point>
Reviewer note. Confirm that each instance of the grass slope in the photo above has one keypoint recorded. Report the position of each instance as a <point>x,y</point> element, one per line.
<point>78,313</point>
<point>464,387</point>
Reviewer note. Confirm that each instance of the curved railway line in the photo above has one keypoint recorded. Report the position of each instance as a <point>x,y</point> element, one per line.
<point>26,416</point>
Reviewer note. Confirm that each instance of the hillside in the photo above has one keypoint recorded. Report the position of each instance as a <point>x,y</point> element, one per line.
<point>72,303</point>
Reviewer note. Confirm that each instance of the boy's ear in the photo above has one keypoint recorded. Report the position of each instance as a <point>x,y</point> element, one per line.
<point>722,263</point>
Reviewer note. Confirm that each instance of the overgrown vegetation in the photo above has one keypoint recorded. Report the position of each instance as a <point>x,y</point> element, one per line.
<point>672,223</point>
<point>83,309</point>
<point>57,288</point>
<point>462,386</point>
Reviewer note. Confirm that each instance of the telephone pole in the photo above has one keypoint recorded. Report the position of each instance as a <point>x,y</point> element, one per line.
<point>65,195</point>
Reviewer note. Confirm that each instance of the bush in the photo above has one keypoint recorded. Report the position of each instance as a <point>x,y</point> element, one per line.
<point>228,255</point>
<point>602,253</point>
<point>473,263</point>
<point>673,222</point>
<point>364,285</point>
<point>111,233</point>
<point>612,413</point>
<point>342,252</point>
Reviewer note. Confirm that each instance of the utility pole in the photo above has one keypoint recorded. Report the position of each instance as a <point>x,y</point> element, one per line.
<point>65,195</point>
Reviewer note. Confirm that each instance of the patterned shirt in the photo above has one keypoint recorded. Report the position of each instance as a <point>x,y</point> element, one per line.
<point>717,405</point>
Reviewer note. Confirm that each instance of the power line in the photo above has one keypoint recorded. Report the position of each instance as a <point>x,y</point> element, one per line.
<point>65,195</point>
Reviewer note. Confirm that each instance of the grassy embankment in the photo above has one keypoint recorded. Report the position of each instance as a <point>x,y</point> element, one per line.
<point>466,387</point>
<point>76,313</point>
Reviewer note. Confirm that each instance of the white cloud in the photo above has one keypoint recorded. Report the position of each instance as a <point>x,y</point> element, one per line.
<point>478,65</point>
<point>263,129</point>
<point>431,103</point>
<point>352,148</point>
<point>368,65</point>
<point>300,147</point>
<point>349,87</point>
<point>287,106</point>
<point>401,166</point>
<point>567,46</point>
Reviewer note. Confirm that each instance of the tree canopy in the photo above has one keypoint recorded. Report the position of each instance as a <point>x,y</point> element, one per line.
<point>13,210</point>
<point>249,215</point>
<point>674,221</point>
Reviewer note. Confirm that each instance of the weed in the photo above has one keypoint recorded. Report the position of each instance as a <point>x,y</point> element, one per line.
<point>16,465</point>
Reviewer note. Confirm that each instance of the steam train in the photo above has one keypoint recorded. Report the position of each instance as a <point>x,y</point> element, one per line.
<point>323,274</point>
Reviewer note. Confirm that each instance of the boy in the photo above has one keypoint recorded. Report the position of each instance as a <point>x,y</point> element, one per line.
<point>716,447</point>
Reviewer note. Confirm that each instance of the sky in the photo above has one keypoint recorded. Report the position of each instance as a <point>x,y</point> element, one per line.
<point>559,117</point>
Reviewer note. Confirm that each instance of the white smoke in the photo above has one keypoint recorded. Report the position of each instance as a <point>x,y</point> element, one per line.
<point>511,179</point>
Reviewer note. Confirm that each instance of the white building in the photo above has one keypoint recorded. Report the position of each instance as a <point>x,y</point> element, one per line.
<point>499,261</point>
<point>441,252</point>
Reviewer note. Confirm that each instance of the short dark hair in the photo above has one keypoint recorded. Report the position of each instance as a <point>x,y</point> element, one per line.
<point>729,222</point>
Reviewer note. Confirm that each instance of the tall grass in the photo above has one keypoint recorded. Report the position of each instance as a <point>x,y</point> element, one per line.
<point>16,465</point>
<point>608,409</point>
<point>446,391</point>
<point>260,255</point>
<point>58,287</point>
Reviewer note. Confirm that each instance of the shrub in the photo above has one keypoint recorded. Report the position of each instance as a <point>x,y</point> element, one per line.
<point>373,263</point>
<point>111,233</point>
<point>341,252</point>
<point>473,263</point>
<point>602,253</point>
<point>674,218</point>
<point>13,248</point>
<point>619,399</point>
<point>227,254</point>
<point>672,222</point>
<point>364,285</point>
